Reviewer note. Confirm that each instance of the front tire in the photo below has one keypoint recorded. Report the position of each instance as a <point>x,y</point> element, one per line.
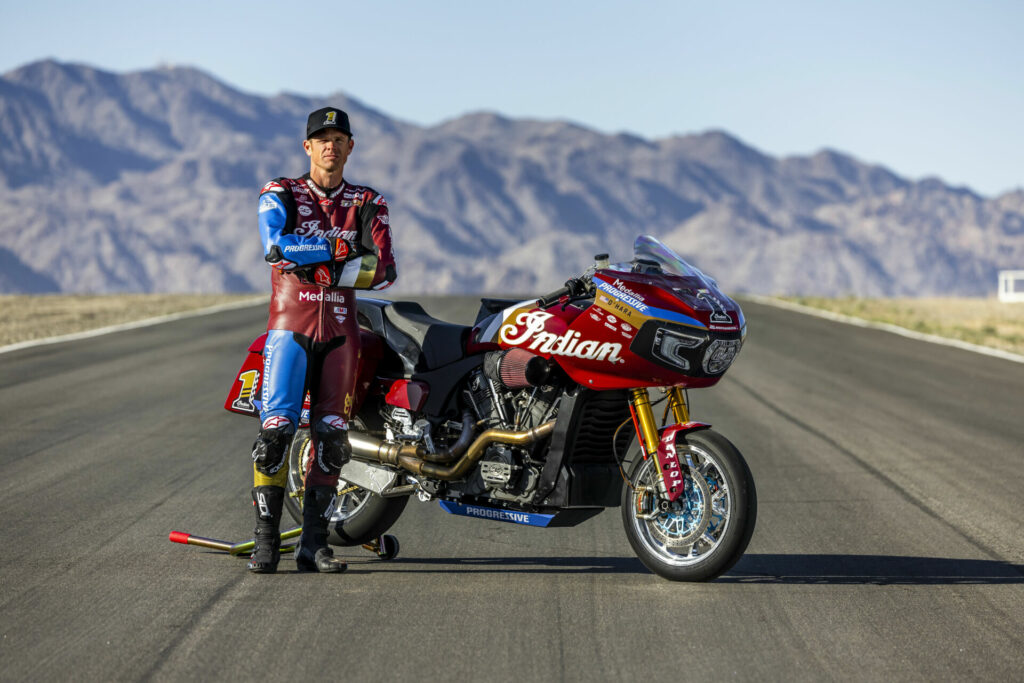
<point>360,516</point>
<point>706,530</point>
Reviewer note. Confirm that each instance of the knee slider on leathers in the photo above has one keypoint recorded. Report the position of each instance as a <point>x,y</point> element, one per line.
<point>332,447</point>
<point>271,448</point>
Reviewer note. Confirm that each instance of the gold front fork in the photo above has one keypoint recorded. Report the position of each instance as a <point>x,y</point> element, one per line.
<point>677,402</point>
<point>644,417</point>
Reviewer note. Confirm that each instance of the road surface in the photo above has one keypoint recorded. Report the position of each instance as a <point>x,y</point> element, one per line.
<point>889,544</point>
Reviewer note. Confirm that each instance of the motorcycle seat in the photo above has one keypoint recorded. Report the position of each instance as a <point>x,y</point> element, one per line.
<point>423,342</point>
<point>489,307</point>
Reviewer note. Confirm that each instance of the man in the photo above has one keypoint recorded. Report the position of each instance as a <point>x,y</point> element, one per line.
<point>323,238</point>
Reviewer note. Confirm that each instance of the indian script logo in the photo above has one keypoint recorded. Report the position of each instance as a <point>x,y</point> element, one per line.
<point>529,328</point>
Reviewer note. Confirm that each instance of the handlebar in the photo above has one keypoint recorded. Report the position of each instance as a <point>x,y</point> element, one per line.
<point>575,288</point>
<point>551,299</point>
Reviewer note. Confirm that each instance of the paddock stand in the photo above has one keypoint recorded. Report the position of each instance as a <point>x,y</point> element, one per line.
<point>384,547</point>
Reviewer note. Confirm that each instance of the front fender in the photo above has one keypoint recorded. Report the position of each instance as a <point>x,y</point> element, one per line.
<point>668,461</point>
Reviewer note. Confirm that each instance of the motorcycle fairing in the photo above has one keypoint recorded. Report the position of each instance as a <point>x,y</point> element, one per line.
<point>668,457</point>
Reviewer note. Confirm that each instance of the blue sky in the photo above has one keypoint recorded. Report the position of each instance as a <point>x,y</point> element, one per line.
<point>925,88</point>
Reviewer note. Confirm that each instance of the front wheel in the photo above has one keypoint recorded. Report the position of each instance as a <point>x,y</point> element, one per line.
<point>704,532</point>
<point>360,516</point>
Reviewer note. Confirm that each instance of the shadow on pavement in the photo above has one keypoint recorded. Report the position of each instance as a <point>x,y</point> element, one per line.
<point>871,569</point>
<point>525,565</point>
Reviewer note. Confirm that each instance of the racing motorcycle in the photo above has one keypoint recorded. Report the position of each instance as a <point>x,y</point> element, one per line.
<point>542,414</point>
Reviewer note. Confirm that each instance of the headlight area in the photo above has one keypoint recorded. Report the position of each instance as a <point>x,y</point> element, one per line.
<point>720,355</point>
<point>671,347</point>
<point>688,350</point>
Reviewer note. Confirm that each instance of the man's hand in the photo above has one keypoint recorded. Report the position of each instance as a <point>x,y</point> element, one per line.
<point>323,275</point>
<point>319,274</point>
<point>341,250</point>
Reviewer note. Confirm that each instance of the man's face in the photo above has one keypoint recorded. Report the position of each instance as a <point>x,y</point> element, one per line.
<point>328,150</point>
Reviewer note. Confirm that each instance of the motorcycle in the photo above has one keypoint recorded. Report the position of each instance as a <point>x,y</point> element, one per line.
<point>541,414</point>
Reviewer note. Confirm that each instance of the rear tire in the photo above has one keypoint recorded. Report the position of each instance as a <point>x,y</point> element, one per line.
<point>706,530</point>
<point>360,516</point>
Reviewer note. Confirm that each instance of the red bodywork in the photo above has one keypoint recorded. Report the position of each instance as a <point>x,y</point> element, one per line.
<point>603,344</point>
<point>593,342</point>
<point>668,457</point>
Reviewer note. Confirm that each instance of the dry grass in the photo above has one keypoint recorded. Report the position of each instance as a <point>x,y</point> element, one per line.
<point>987,322</point>
<point>23,318</point>
<point>979,321</point>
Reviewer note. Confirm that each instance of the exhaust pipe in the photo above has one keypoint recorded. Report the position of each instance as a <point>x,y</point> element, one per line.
<point>416,460</point>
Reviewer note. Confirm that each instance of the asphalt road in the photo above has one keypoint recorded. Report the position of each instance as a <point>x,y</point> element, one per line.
<point>889,545</point>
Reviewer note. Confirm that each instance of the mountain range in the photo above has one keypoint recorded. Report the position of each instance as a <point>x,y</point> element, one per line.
<point>147,182</point>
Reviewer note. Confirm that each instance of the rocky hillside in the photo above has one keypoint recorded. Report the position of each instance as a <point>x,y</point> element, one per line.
<point>147,182</point>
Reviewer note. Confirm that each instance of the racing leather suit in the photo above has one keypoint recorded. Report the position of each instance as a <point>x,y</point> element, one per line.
<point>322,246</point>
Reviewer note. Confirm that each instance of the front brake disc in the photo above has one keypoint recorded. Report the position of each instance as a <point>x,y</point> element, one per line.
<point>688,517</point>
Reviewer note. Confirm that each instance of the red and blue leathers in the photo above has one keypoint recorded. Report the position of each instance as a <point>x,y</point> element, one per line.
<point>322,246</point>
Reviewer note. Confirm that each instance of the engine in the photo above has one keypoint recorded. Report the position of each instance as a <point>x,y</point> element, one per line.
<point>514,390</point>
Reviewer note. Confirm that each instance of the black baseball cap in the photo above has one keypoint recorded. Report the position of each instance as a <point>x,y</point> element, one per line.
<point>328,117</point>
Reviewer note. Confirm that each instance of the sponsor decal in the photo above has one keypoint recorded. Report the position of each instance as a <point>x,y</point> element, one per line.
<point>311,225</point>
<point>340,250</point>
<point>261,500</point>
<point>569,344</point>
<point>379,201</point>
<point>626,327</point>
<point>268,204</point>
<point>496,514</point>
<point>305,210</point>
<point>718,313</point>
<point>276,422</point>
<point>322,276</point>
<point>272,186</point>
<point>330,118</point>
<point>303,247</point>
<point>383,218</point>
<point>329,512</point>
<point>244,399</point>
<point>723,328</point>
<point>334,421</point>
<point>329,297</point>
<point>336,232</point>
<point>340,313</point>
<point>623,294</point>
<point>670,470</point>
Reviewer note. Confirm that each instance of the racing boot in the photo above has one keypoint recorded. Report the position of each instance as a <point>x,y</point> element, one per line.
<point>268,501</point>
<point>312,553</point>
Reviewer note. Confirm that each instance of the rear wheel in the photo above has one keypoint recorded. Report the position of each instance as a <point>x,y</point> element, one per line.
<point>360,516</point>
<point>703,532</point>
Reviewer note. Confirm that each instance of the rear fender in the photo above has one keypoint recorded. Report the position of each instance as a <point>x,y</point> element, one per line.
<point>245,395</point>
<point>245,390</point>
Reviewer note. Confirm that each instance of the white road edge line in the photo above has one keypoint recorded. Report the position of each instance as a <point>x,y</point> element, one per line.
<point>895,329</point>
<point>99,331</point>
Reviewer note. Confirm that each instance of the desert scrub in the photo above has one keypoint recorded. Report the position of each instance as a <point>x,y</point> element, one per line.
<point>24,317</point>
<point>988,322</point>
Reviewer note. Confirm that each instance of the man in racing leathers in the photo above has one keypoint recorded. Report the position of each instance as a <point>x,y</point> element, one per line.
<point>323,238</point>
